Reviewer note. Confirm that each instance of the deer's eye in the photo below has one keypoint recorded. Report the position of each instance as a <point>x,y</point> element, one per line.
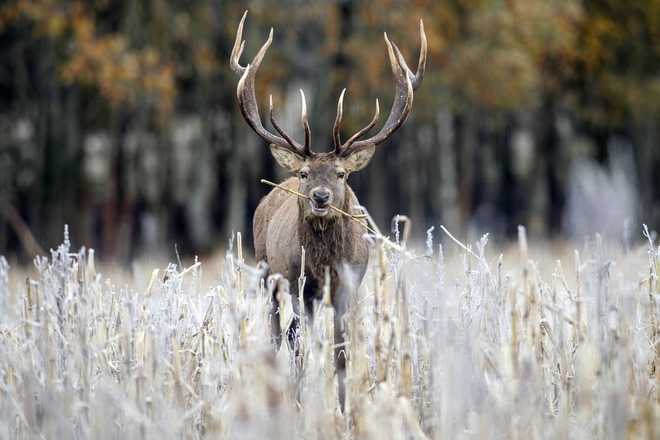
<point>303,174</point>
<point>341,175</point>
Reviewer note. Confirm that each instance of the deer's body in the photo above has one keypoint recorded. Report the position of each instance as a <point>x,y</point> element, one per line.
<point>284,223</point>
<point>281,228</point>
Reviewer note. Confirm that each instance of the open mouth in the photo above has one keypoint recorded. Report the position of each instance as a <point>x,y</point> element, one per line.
<point>319,209</point>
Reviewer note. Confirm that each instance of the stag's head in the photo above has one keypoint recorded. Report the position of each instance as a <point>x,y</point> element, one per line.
<point>322,176</point>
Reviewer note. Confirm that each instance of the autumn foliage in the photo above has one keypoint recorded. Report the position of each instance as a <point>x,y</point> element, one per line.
<point>139,65</point>
<point>503,54</point>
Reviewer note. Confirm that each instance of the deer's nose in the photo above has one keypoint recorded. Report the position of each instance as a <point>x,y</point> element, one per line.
<point>321,197</point>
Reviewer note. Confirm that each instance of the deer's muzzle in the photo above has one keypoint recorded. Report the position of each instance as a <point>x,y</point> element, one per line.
<point>320,202</point>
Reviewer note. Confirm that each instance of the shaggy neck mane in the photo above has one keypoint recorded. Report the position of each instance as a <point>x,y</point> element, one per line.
<point>326,243</point>
<point>320,224</point>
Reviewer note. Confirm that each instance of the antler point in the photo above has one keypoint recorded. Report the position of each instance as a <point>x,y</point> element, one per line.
<point>304,107</point>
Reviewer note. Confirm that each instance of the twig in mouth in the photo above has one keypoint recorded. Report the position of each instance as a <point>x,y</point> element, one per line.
<point>358,218</point>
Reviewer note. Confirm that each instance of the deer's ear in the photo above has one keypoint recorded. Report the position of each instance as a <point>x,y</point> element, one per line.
<point>287,159</point>
<point>359,159</point>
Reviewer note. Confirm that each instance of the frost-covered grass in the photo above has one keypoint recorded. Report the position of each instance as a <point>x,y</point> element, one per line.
<point>461,344</point>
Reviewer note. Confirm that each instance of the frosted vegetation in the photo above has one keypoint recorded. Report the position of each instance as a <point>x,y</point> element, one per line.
<point>454,342</point>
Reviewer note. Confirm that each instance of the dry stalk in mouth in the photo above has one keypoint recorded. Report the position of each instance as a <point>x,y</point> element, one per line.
<point>358,218</point>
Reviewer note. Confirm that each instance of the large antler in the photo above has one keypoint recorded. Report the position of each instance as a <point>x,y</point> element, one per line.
<point>247,100</point>
<point>406,84</point>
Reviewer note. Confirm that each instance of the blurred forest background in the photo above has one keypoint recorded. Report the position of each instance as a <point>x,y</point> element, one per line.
<point>119,117</point>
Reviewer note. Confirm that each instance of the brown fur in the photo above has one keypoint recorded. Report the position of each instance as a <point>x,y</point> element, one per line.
<point>280,229</point>
<point>284,222</point>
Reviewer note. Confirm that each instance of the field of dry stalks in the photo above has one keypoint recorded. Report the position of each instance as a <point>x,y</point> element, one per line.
<point>453,342</point>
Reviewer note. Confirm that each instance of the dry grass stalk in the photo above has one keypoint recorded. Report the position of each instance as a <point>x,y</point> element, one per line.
<point>358,218</point>
<point>459,347</point>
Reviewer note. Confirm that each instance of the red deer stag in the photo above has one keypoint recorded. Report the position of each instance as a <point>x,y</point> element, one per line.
<point>283,222</point>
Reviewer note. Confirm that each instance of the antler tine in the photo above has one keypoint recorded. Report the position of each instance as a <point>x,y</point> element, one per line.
<point>305,122</point>
<point>335,129</point>
<point>406,83</point>
<point>277,126</point>
<point>247,101</point>
<point>415,79</point>
<point>237,50</point>
<point>306,149</point>
<point>421,64</point>
<point>361,133</point>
